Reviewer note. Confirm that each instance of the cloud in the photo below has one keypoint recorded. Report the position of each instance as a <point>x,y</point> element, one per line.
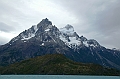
<point>3,40</point>
<point>23,14</point>
<point>109,20</point>
<point>5,37</point>
<point>6,28</point>
<point>95,19</point>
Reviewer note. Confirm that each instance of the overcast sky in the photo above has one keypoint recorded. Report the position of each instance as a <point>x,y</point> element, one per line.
<point>94,19</point>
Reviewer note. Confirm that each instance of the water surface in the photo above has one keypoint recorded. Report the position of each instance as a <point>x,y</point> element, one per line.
<point>56,77</point>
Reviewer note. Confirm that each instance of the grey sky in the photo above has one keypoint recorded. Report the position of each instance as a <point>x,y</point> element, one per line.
<point>94,19</point>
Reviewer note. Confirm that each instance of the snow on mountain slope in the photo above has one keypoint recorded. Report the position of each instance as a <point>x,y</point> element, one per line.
<point>45,38</point>
<point>45,30</point>
<point>30,34</point>
<point>72,39</point>
<point>44,26</point>
<point>68,29</point>
<point>69,36</point>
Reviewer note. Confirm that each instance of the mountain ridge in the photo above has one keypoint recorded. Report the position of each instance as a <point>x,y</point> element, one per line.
<point>45,38</point>
<point>55,64</point>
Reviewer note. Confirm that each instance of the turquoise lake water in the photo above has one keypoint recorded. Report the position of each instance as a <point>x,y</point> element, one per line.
<point>56,77</point>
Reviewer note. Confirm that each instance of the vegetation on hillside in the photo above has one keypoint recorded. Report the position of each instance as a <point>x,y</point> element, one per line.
<point>56,64</point>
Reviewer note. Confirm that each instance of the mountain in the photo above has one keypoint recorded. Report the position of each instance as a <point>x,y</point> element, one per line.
<point>56,64</point>
<point>45,38</point>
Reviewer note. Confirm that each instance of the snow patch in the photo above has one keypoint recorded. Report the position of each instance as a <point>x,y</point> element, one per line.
<point>47,30</point>
<point>25,41</point>
<point>30,34</point>
<point>85,43</point>
<point>74,41</point>
<point>92,45</point>
<point>63,38</point>
<point>42,44</point>
<point>35,28</point>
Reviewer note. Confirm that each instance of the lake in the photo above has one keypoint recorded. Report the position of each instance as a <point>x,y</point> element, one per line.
<point>56,77</point>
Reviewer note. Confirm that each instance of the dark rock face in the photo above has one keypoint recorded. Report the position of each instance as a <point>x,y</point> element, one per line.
<point>44,38</point>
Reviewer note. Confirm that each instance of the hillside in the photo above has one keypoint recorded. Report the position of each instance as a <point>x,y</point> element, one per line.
<point>56,64</point>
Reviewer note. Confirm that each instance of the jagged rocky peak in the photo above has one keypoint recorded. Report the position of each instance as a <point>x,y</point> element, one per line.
<point>41,31</point>
<point>45,21</point>
<point>44,38</point>
<point>93,43</point>
<point>83,38</point>
<point>69,27</point>
<point>44,24</point>
<point>45,30</point>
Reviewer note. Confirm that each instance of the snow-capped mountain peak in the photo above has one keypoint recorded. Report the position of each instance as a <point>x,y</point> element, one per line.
<point>68,29</point>
<point>73,40</point>
<point>44,38</point>
<point>69,36</point>
<point>44,25</point>
<point>45,30</point>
